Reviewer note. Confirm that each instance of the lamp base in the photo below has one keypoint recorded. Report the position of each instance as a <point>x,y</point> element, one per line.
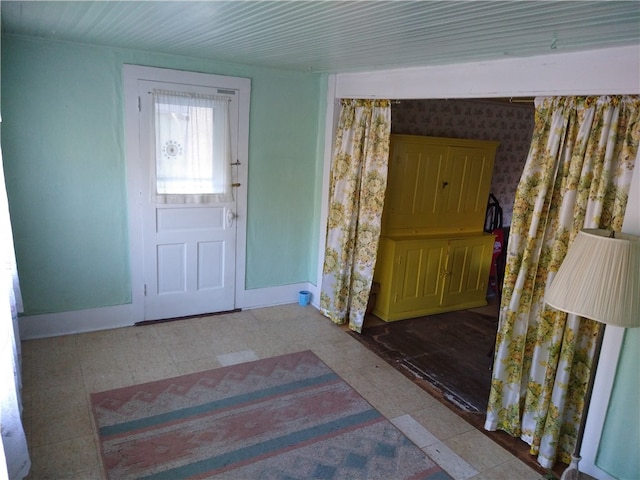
<point>572,472</point>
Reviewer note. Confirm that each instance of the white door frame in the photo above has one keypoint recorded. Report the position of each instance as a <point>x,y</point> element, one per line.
<point>131,75</point>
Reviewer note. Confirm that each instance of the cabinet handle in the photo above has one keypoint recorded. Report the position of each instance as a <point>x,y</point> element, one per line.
<point>445,184</point>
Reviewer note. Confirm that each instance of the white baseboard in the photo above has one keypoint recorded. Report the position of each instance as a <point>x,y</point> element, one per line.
<point>104,318</point>
<point>77,321</point>
<point>281,295</point>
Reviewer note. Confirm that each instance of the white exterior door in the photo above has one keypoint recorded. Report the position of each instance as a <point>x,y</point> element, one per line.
<point>189,245</point>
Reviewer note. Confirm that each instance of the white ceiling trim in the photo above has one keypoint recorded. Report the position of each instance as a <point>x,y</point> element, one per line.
<point>612,71</point>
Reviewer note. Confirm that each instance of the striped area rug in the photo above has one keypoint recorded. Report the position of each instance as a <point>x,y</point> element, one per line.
<point>287,417</point>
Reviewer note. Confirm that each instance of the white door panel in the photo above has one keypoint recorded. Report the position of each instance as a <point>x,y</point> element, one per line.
<point>171,268</point>
<point>211,265</point>
<point>189,218</point>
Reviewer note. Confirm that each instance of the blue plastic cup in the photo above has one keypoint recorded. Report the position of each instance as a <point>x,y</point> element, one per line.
<point>304,298</point>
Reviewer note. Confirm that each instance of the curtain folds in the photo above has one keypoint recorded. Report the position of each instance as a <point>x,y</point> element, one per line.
<point>577,175</point>
<point>356,197</point>
<point>13,447</point>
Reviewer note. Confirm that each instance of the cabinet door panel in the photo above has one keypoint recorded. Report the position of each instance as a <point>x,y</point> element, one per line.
<point>468,179</point>
<point>418,274</point>
<point>467,270</point>
<point>414,183</point>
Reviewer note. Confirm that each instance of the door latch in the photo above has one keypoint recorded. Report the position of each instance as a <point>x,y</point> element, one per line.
<point>231,216</point>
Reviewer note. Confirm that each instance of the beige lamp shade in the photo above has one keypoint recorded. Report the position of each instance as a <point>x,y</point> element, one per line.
<point>600,278</point>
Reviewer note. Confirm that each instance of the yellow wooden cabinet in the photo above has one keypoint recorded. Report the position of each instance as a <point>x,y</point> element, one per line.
<point>437,185</point>
<point>425,275</point>
<point>433,255</point>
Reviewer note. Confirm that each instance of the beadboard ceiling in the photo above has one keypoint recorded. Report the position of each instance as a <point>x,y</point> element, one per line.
<point>333,36</point>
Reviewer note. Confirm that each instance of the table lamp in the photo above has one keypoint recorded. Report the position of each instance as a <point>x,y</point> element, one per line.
<point>598,279</point>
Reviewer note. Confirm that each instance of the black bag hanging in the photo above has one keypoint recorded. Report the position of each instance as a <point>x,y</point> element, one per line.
<point>493,216</point>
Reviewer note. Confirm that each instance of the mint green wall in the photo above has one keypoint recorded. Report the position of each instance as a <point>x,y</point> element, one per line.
<point>618,451</point>
<point>63,143</point>
<point>282,178</point>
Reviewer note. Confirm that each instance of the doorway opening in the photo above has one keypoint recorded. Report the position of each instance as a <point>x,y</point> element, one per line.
<point>451,354</point>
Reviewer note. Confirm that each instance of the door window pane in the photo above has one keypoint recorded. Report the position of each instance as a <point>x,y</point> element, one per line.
<point>193,157</point>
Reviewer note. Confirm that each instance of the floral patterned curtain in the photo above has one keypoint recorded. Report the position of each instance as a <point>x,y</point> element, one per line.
<point>577,175</point>
<point>356,197</point>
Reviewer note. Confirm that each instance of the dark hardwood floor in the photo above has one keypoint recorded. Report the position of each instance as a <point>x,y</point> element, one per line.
<point>449,351</point>
<point>450,355</point>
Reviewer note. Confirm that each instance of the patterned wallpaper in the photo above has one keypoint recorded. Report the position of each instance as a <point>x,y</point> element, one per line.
<point>511,124</point>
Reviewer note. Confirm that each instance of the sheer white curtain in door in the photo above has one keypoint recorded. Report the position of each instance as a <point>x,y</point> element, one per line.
<point>14,444</point>
<point>193,148</point>
<point>356,198</point>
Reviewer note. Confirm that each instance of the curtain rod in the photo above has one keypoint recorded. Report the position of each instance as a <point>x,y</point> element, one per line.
<point>528,100</point>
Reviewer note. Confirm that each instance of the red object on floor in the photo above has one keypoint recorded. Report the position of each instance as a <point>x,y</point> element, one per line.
<point>498,246</point>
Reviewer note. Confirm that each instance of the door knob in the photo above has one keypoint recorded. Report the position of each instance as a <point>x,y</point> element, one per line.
<point>231,216</point>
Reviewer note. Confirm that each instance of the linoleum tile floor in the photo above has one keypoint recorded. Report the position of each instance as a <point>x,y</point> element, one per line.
<point>59,373</point>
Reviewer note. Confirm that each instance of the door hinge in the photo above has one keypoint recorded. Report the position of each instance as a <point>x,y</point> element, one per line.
<point>139,104</point>
<point>145,289</point>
